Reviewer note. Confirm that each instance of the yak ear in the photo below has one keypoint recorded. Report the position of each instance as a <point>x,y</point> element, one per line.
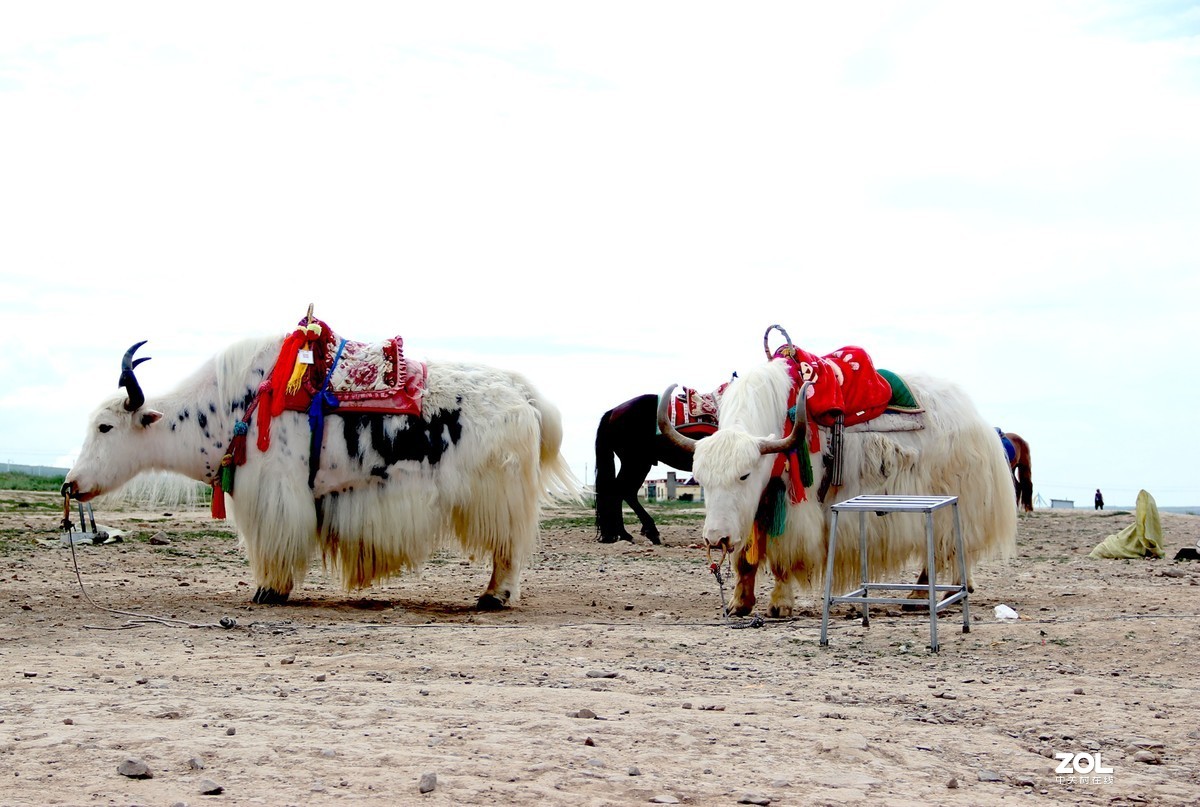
<point>150,416</point>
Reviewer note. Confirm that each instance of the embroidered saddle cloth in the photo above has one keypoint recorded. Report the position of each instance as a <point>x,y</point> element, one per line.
<point>350,376</point>
<point>694,413</point>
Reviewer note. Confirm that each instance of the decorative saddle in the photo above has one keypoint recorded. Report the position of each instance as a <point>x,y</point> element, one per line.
<point>319,372</point>
<point>694,413</point>
<point>345,375</point>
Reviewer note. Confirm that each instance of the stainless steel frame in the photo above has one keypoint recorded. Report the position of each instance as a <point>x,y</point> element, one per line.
<point>882,506</point>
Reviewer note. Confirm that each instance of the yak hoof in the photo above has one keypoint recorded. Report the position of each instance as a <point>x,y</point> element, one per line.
<point>489,602</point>
<point>609,539</point>
<point>741,610</point>
<point>269,596</point>
<point>652,536</point>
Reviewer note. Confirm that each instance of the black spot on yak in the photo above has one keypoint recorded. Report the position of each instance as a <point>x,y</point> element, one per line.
<point>202,419</point>
<point>423,439</point>
<point>184,415</point>
<point>244,403</point>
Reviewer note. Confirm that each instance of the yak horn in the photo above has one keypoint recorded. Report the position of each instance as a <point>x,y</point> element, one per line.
<point>664,423</point>
<point>129,380</point>
<point>785,444</point>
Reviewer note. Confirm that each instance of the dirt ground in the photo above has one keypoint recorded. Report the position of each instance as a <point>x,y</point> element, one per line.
<point>613,681</point>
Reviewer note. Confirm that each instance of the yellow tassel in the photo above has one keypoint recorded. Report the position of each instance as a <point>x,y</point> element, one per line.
<point>313,332</point>
<point>293,384</point>
<point>754,551</point>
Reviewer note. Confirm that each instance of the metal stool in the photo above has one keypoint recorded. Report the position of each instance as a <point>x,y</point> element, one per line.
<point>882,505</point>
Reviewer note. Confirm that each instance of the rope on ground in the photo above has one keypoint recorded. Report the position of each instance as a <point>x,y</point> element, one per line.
<point>138,620</point>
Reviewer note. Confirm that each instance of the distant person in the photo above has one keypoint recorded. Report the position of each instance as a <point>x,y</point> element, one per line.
<point>1099,499</point>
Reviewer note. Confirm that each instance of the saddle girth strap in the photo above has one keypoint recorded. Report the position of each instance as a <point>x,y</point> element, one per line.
<point>833,459</point>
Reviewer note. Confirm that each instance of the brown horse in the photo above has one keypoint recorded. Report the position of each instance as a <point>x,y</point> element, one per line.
<point>1018,461</point>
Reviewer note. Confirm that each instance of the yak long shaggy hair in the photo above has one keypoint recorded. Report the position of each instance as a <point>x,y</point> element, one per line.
<point>475,468</point>
<point>955,454</point>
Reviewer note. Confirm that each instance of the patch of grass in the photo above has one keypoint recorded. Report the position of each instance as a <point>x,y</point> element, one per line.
<point>193,535</point>
<point>34,506</point>
<point>14,541</point>
<point>563,522</point>
<point>11,480</point>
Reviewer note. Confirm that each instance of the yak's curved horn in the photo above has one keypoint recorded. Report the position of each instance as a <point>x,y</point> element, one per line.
<point>664,423</point>
<point>786,443</point>
<point>129,380</point>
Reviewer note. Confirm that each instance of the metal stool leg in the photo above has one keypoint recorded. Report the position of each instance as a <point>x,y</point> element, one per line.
<point>962,570</point>
<point>931,568</point>
<point>862,555</point>
<point>828,579</point>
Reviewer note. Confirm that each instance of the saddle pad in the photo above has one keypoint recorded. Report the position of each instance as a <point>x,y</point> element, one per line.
<point>902,399</point>
<point>891,422</point>
<point>375,377</point>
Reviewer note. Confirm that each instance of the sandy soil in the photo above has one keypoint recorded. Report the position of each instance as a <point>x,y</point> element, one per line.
<point>614,680</point>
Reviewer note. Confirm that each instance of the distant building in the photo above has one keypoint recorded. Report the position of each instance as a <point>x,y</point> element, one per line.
<point>671,489</point>
<point>1066,504</point>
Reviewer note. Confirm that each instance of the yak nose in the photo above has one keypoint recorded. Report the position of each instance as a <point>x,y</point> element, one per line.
<point>68,490</point>
<point>721,542</point>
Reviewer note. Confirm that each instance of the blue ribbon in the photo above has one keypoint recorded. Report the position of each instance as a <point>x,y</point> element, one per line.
<point>322,401</point>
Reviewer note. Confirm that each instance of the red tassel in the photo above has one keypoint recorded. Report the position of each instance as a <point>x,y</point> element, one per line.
<point>265,401</point>
<point>284,366</point>
<point>796,479</point>
<point>218,499</point>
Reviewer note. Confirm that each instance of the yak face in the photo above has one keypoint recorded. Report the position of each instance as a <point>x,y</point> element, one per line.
<point>734,471</point>
<point>116,448</point>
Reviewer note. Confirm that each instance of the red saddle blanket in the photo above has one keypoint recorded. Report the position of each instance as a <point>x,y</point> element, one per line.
<point>844,382</point>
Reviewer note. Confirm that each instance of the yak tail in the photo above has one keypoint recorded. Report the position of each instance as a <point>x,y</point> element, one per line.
<point>609,520</point>
<point>558,482</point>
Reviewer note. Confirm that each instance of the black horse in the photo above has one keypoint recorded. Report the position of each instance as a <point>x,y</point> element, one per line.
<point>629,432</point>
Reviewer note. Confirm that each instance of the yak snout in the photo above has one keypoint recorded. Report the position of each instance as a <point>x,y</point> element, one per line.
<point>721,543</point>
<point>70,490</point>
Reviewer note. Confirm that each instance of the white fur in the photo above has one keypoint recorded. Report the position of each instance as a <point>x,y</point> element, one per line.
<point>379,519</point>
<point>956,454</point>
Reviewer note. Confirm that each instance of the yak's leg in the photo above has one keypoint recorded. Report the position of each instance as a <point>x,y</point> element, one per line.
<point>265,595</point>
<point>505,585</point>
<point>949,567</point>
<point>742,601</point>
<point>279,553</point>
<point>783,596</point>
<point>923,580</point>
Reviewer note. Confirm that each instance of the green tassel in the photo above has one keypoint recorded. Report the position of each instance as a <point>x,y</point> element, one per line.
<point>771,516</point>
<point>806,471</point>
<point>227,472</point>
<point>779,519</point>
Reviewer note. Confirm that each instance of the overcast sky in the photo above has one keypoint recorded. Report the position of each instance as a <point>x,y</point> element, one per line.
<point>613,197</point>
